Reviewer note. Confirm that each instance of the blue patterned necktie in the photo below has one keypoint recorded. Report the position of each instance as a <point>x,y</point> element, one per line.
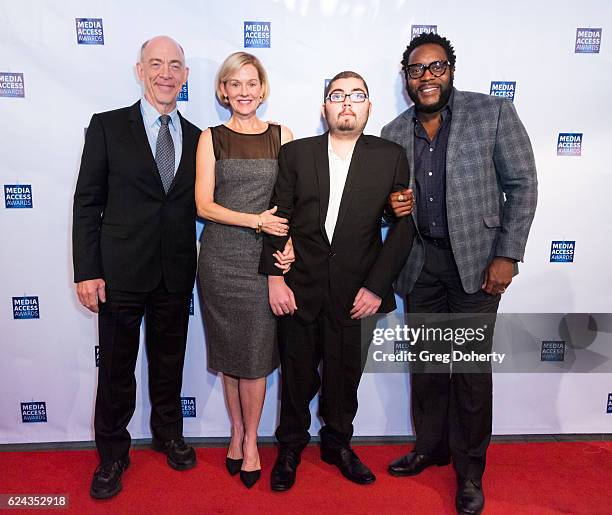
<point>164,153</point>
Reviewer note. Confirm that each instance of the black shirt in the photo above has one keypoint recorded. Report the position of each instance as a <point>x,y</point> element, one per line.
<point>430,176</point>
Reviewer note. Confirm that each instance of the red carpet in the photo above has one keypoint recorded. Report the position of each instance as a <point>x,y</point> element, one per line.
<point>534,478</point>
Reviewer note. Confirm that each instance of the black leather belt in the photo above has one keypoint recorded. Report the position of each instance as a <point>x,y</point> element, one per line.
<point>442,243</point>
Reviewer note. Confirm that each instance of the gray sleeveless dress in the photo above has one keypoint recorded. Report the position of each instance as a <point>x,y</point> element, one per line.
<point>239,324</point>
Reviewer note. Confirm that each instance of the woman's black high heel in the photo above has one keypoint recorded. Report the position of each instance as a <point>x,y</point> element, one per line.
<point>233,466</point>
<point>249,478</point>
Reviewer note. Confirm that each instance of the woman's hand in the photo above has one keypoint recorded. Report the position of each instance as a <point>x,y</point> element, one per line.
<point>271,224</point>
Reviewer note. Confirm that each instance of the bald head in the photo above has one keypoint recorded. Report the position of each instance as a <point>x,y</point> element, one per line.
<point>164,40</point>
<point>162,70</point>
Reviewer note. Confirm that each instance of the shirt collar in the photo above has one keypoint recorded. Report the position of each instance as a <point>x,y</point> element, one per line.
<point>150,115</point>
<point>333,155</point>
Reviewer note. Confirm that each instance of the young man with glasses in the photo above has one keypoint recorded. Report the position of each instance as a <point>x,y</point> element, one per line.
<point>333,190</point>
<point>475,191</point>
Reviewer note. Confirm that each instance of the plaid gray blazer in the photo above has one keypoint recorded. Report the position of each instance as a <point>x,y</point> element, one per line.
<point>491,186</point>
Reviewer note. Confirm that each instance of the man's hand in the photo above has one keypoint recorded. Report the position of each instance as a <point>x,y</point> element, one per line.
<point>498,275</point>
<point>285,258</point>
<point>402,202</point>
<point>280,296</point>
<point>366,304</point>
<point>90,291</point>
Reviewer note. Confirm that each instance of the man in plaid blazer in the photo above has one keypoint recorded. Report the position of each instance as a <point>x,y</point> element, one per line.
<point>475,191</point>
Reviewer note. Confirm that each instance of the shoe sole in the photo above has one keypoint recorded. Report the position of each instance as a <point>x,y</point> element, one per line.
<point>407,474</point>
<point>181,466</point>
<point>107,495</point>
<point>460,512</point>
<point>281,488</point>
<point>331,461</point>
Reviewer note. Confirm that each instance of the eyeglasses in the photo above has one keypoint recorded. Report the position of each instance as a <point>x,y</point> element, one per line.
<point>339,96</point>
<point>437,69</point>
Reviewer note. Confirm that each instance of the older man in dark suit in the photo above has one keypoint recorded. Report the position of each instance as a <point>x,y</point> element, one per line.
<point>134,255</point>
<point>475,188</point>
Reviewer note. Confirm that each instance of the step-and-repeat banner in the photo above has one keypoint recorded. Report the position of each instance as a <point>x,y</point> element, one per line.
<point>62,62</point>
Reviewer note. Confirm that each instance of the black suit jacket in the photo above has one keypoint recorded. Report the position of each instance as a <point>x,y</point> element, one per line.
<point>126,229</point>
<point>356,256</point>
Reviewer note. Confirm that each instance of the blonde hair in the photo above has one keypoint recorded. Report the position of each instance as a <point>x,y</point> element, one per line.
<point>231,65</point>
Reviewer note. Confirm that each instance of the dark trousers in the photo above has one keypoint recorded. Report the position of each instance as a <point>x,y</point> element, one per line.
<point>451,412</point>
<point>302,348</point>
<point>166,318</point>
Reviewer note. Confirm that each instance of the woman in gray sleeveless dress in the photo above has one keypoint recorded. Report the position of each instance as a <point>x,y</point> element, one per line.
<point>236,171</point>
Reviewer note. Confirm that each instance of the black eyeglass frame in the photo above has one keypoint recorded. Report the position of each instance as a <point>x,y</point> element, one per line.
<point>423,68</point>
<point>350,95</point>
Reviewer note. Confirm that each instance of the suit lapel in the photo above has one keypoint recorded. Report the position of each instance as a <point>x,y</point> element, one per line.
<point>322,168</point>
<point>139,134</point>
<point>405,138</point>
<point>408,144</point>
<point>356,168</point>
<point>186,136</point>
<point>456,135</point>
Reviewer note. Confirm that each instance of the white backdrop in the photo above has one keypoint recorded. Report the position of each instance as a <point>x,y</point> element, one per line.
<point>51,359</point>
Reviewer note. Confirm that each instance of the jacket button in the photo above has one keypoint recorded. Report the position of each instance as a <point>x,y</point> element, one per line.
<point>331,254</point>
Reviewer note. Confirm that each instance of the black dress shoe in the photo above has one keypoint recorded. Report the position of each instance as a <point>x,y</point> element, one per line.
<point>250,477</point>
<point>349,464</point>
<point>106,481</point>
<point>470,497</point>
<point>180,455</point>
<point>283,473</point>
<point>413,464</point>
<point>233,466</point>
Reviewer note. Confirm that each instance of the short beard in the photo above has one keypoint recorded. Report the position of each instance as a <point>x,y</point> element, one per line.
<point>346,127</point>
<point>433,108</point>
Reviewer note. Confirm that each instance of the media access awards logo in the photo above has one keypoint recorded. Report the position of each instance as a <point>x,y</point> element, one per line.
<point>562,251</point>
<point>609,406</point>
<point>325,84</point>
<point>188,405</point>
<point>257,34</point>
<point>588,41</point>
<point>12,85</point>
<point>183,95</point>
<point>17,196</point>
<point>89,31</point>
<point>552,350</point>
<point>191,310</point>
<point>97,355</point>
<point>35,411</point>
<point>417,30</point>
<point>25,308</point>
<point>569,144</point>
<point>504,89</point>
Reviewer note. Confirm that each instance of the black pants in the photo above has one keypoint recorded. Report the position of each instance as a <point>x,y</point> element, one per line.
<point>302,348</point>
<point>451,412</point>
<point>166,318</point>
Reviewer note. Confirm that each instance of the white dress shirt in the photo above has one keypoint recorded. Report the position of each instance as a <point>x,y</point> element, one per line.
<point>338,170</point>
